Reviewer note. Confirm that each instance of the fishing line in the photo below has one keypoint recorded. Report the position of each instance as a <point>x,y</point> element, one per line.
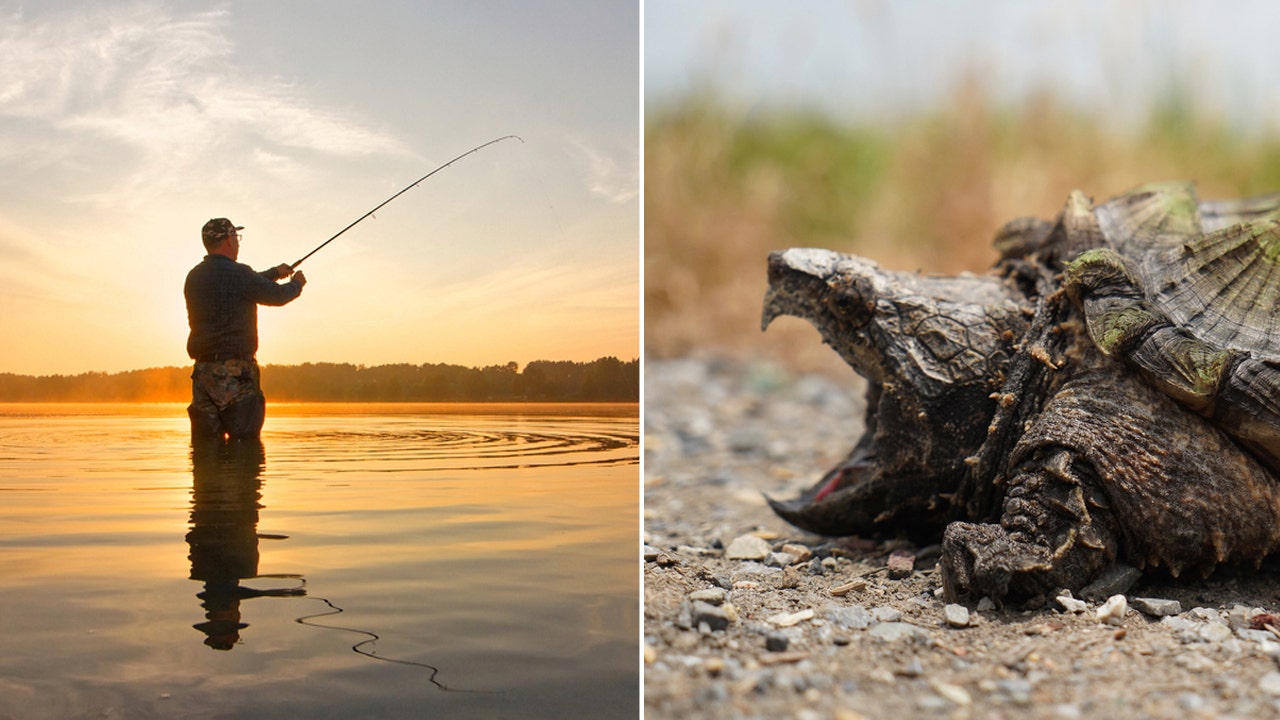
<point>372,637</point>
<point>406,189</point>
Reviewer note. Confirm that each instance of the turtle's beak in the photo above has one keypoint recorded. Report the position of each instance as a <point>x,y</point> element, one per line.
<point>799,279</point>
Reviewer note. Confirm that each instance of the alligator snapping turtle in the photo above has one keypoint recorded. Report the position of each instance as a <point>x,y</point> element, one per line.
<point>1109,393</point>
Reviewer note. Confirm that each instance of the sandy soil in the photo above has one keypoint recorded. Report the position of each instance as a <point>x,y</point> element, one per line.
<point>819,628</point>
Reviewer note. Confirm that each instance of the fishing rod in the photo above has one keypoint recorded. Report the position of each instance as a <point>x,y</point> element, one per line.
<point>407,188</point>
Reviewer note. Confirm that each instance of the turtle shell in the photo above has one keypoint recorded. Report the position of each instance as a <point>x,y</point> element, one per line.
<point>1187,292</point>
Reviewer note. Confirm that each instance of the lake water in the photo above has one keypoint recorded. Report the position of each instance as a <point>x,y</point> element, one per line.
<point>363,561</point>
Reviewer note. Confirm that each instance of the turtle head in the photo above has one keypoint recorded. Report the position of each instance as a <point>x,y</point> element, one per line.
<point>927,334</point>
<point>933,350</point>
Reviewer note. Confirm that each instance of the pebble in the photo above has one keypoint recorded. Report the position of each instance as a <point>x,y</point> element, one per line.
<point>898,631</point>
<point>1257,636</point>
<point>651,553</point>
<point>1113,610</point>
<point>747,547</point>
<point>776,642</point>
<point>1018,691</point>
<point>954,693</point>
<point>800,552</point>
<point>915,668</point>
<point>1270,683</point>
<point>789,619</point>
<point>886,614</point>
<point>780,559</point>
<point>901,564</point>
<point>713,596</point>
<point>1156,607</point>
<point>715,618</point>
<point>956,615</point>
<point>1070,604</point>
<point>1204,613</point>
<point>853,617</point>
<point>1215,632</point>
<point>986,604</point>
<point>1239,616</point>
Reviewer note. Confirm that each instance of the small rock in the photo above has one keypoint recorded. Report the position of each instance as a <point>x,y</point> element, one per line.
<point>780,559</point>
<point>650,553</point>
<point>898,631</point>
<point>1156,607</point>
<point>931,704</point>
<point>1258,636</point>
<point>854,617</point>
<point>716,618</point>
<point>1070,604</point>
<point>1239,616</point>
<point>986,604</point>
<point>1190,701</point>
<point>747,547</point>
<point>915,668</point>
<point>1018,691</point>
<point>954,693</point>
<point>1270,683</point>
<point>1204,613</point>
<point>901,563</point>
<point>801,553</point>
<point>1113,610</point>
<point>1177,624</point>
<point>1116,580</point>
<point>956,615</point>
<point>886,614</point>
<point>776,642</point>
<point>1215,632</point>
<point>789,619</point>
<point>713,596</point>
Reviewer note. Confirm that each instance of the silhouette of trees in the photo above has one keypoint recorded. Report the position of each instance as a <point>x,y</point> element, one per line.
<point>607,379</point>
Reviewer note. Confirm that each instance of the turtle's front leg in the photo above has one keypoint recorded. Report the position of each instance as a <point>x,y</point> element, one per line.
<point>1056,532</point>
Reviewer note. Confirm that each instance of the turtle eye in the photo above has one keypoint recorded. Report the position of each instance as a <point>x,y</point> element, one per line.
<point>847,306</point>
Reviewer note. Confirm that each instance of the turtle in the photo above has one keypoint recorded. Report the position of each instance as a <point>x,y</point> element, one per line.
<point>1106,397</point>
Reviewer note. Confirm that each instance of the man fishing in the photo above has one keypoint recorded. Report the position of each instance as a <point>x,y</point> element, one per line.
<point>222,309</point>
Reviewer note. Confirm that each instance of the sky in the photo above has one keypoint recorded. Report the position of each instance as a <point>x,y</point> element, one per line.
<point>125,125</point>
<point>870,59</point>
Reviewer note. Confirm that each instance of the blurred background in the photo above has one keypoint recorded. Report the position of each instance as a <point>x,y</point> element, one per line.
<point>908,132</point>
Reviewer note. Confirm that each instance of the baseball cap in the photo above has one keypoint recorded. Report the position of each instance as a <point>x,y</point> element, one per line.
<point>217,229</point>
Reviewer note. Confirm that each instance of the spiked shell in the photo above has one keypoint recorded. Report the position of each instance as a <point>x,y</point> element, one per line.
<point>1188,293</point>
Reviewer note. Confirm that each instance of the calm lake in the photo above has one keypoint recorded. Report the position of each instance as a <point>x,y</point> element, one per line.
<point>363,561</point>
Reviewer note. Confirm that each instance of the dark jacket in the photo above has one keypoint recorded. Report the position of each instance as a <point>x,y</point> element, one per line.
<point>222,306</point>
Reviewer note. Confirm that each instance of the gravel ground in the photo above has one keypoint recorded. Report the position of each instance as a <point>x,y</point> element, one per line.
<point>747,617</point>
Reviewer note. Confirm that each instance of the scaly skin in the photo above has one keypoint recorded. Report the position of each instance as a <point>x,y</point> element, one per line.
<point>932,365</point>
<point>1044,439</point>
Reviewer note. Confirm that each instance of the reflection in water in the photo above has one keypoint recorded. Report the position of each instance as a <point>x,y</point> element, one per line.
<point>226,489</point>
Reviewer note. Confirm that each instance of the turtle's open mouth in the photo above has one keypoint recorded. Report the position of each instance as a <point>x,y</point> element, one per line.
<point>932,350</point>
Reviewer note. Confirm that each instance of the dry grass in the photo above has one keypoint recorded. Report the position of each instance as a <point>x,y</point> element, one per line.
<point>927,193</point>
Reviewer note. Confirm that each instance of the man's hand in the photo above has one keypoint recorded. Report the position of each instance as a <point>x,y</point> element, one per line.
<point>299,278</point>
<point>283,271</point>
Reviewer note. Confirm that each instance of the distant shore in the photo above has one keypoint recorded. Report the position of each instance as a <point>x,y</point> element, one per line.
<point>606,379</point>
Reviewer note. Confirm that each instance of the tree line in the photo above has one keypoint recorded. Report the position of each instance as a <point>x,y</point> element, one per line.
<point>607,379</point>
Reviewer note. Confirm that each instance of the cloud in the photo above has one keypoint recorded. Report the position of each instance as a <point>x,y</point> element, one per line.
<point>616,183</point>
<point>159,92</point>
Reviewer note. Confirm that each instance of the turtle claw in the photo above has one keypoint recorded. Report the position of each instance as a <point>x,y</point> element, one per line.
<point>983,560</point>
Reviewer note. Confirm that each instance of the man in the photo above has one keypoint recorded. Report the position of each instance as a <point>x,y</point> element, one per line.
<point>222,309</point>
